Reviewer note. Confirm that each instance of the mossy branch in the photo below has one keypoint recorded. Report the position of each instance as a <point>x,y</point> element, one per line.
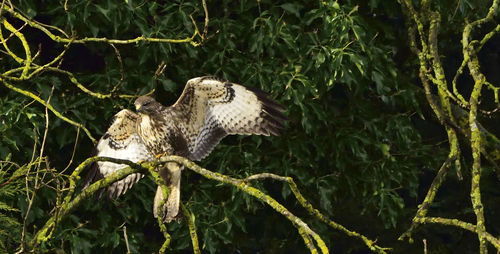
<point>311,239</point>
<point>68,40</point>
<point>75,81</point>
<point>70,203</point>
<point>304,230</point>
<point>28,65</point>
<point>427,22</point>
<point>189,216</point>
<point>315,212</point>
<point>429,198</point>
<point>44,103</point>
<point>191,40</point>
<point>470,52</point>
<point>4,41</point>
<point>462,224</point>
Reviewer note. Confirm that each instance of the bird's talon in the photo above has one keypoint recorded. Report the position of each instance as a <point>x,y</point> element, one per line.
<point>160,155</point>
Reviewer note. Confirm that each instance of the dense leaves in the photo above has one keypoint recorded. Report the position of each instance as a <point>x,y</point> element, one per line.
<point>353,142</point>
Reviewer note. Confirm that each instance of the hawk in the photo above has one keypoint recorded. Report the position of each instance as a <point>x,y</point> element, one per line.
<point>208,109</point>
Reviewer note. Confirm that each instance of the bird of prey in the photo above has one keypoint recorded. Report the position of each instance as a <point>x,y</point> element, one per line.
<point>208,109</point>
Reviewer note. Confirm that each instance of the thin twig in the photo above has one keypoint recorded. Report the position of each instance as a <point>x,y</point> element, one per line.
<point>57,38</point>
<point>119,57</point>
<point>425,245</point>
<point>126,238</point>
<point>72,153</point>
<point>159,70</point>
<point>35,187</point>
<point>38,99</point>
<point>192,228</point>
<point>205,27</point>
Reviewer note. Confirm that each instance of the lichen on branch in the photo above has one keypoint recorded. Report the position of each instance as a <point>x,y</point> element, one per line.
<point>311,239</point>
<point>423,29</point>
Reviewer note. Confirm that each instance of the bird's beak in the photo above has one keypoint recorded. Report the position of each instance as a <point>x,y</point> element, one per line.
<point>138,108</point>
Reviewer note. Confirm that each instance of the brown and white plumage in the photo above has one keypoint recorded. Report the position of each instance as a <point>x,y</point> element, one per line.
<point>120,141</point>
<point>208,110</point>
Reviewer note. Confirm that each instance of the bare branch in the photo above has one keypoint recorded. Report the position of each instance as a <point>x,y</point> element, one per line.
<point>119,57</point>
<point>126,238</point>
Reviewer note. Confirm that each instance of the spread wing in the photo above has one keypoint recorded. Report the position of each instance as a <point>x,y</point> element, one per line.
<point>120,141</point>
<point>211,108</point>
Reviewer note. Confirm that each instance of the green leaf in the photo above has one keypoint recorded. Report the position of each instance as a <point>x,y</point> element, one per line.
<point>293,8</point>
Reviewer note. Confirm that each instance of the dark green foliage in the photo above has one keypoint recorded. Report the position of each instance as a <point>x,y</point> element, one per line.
<point>350,144</point>
<point>11,185</point>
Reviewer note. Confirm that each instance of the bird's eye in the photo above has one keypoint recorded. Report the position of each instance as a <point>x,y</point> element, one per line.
<point>146,104</point>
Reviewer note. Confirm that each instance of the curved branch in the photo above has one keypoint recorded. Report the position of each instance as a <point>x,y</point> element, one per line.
<point>45,233</point>
<point>20,36</point>
<point>70,203</point>
<point>60,39</point>
<point>12,54</point>
<point>192,228</point>
<point>461,224</point>
<point>38,99</point>
<point>479,80</point>
<point>301,226</point>
<point>429,197</point>
<point>313,211</point>
<point>70,75</point>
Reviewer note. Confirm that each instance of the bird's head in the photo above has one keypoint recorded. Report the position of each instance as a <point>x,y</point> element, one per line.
<point>146,105</point>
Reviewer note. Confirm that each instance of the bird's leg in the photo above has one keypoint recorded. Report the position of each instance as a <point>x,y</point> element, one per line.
<point>171,174</point>
<point>157,201</point>
<point>173,201</point>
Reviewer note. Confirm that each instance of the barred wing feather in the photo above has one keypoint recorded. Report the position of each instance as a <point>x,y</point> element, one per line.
<point>120,141</point>
<point>212,108</point>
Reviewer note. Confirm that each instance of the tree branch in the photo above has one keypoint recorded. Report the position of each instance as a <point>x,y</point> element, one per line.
<point>38,99</point>
<point>56,38</point>
<point>301,226</point>
<point>192,228</point>
<point>461,224</point>
<point>479,80</point>
<point>45,233</point>
<point>429,60</point>
<point>70,203</point>
<point>315,212</point>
